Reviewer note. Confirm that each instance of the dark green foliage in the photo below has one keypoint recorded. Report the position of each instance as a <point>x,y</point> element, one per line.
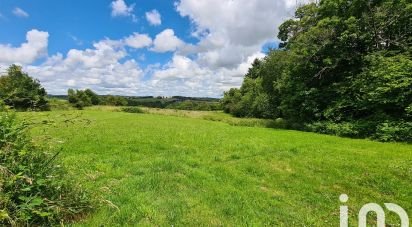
<point>21,92</point>
<point>81,99</point>
<point>147,102</point>
<point>176,102</point>
<point>194,105</point>
<point>345,68</point>
<point>84,98</point>
<point>111,100</point>
<point>394,131</point>
<point>132,109</point>
<point>231,102</point>
<point>94,98</point>
<point>34,189</point>
<point>345,129</point>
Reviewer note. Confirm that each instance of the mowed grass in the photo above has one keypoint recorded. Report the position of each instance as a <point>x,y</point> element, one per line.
<point>150,169</point>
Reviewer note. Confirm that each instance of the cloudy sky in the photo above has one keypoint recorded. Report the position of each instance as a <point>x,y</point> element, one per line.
<point>139,47</point>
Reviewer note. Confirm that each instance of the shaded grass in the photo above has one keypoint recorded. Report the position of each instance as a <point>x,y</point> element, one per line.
<point>166,170</point>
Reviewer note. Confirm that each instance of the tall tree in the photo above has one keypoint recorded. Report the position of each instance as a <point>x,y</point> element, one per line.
<point>19,91</point>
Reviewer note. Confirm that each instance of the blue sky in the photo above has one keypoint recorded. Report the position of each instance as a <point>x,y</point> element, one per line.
<point>139,47</point>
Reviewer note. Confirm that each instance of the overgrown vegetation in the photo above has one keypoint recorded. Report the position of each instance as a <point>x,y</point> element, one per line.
<point>176,102</point>
<point>132,109</point>
<point>59,104</point>
<point>195,105</point>
<point>83,98</point>
<point>21,92</point>
<point>111,100</point>
<point>344,68</point>
<point>34,189</point>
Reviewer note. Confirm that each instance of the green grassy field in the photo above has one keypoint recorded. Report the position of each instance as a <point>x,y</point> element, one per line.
<point>152,169</point>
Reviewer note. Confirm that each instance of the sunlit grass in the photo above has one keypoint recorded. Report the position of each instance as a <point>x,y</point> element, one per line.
<point>152,169</point>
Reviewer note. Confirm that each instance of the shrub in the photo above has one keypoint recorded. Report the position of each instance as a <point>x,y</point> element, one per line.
<point>59,104</point>
<point>34,189</point>
<point>195,105</point>
<point>3,107</point>
<point>388,131</point>
<point>132,110</point>
<point>79,99</point>
<point>94,97</point>
<point>280,123</point>
<point>111,100</point>
<point>345,129</point>
<point>394,131</point>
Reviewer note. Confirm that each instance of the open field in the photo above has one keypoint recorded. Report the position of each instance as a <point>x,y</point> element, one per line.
<point>153,169</point>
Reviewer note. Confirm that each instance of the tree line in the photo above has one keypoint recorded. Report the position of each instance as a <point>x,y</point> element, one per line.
<point>87,97</point>
<point>342,67</point>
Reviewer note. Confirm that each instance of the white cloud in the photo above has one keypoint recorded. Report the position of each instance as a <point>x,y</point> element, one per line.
<point>241,22</point>
<point>26,53</point>
<point>154,17</point>
<point>20,13</point>
<point>184,76</point>
<point>166,41</point>
<point>105,52</point>
<point>99,68</point>
<point>138,40</point>
<point>231,31</point>
<point>180,67</point>
<point>121,9</point>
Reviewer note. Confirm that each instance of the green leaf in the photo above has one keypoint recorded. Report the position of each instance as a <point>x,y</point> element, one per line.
<point>42,213</point>
<point>26,189</point>
<point>4,215</point>
<point>36,202</point>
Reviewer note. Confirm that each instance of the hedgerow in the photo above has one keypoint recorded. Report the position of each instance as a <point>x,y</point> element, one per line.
<point>34,189</point>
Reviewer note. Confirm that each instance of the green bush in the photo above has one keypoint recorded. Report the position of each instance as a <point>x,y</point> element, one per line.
<point>195,105</point>
<point>132,110</point>
<point>34,189</point>
<point>280,123</point>
<point>79,98</point>
<point>59,104</point>
<point>388,131</point>
<point>394,131</point>
<point>111,100</point>
<point>345,129</point>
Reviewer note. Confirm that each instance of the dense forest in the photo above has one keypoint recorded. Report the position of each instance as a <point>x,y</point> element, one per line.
<point>342,67</point>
